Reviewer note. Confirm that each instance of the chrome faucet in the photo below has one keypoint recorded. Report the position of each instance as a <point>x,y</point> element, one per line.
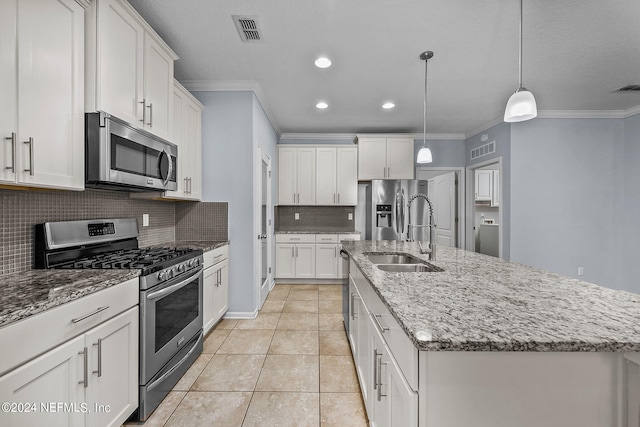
<point>432,227</point>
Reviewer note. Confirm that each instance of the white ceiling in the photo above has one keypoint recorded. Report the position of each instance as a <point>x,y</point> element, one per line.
<point>576,52</point>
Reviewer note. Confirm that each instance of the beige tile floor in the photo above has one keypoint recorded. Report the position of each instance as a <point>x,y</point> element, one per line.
<point>291,366</point>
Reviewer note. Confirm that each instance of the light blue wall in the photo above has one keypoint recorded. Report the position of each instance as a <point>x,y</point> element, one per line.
<point>566,196</point>
<point>227,175</point>
<point>446,153</point>
<point>501,134</point>
<point>630,225</point>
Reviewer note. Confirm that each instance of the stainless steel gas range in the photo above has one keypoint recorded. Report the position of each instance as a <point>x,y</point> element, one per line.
<point>170,293</point>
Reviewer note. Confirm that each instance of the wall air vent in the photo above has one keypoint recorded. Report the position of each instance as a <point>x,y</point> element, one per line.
<point>483,150</point>
<point>629,88</point>
<point>248,28</point>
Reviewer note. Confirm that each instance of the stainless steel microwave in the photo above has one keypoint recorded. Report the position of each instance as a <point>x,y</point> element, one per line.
<point>119,156</point>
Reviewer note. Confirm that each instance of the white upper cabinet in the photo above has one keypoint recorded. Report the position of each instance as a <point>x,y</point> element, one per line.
<point>484,185</point>
<point>42,86</point>
<point>385,157</point>
<point>334,181</point>
<point>129,68</point>
<point>297,175</point>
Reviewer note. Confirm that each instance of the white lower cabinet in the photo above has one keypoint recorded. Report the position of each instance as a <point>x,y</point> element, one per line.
<point>389,398</point>
<point>215,292</point>
<point>89,380</point>
<point>310,256</point>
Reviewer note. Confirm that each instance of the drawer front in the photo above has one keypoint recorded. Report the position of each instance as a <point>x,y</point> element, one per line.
<point>36,334</point>
<point>326,238</point>
<point>354,236</point>
<point>215,256</point>
<point>295,238</point>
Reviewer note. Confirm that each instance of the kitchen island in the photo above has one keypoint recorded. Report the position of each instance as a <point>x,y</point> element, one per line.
<point>490,343</point>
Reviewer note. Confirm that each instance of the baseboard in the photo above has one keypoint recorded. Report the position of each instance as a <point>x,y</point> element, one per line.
<point>241,314</point>
<point>309,281</point>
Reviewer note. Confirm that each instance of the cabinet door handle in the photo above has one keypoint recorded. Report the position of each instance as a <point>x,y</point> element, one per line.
<point>84,381</point>
<point>12,138</point>
<point>150,107</point>
<point>144,110</point>
<point>30,142</point>
<point>334,197</point>
<point>376,318</point>
<point>380,363</point>
<point>353,306</point>
<point>93,313</point>
<point>99,370</point>
<point>375,368</point>
<point>338,197</point>
<point>335,252</point>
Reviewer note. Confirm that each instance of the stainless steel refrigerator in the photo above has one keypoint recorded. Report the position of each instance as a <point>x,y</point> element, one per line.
<point>389,214</point>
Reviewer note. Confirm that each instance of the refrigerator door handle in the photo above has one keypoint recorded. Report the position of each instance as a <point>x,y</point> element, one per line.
<point>397,213</point>
<point>402,213</point>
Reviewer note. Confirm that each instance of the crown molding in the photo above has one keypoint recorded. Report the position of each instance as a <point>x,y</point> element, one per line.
<point>484,127</point>
<point>441,136</point>
<point>235,86</point>
<point>348,136</point>
<point>632,111</point>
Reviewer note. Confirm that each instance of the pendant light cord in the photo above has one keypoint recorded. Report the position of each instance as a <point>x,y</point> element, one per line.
<point>424,130</point>
<point>520,52</point>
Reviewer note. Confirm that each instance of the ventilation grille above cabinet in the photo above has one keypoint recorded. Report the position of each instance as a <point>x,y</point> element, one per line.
<point>483,150</point>
<point>248,28</point>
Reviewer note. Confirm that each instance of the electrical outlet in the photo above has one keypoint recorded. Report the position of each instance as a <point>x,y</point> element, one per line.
<point>145,220</point>
<point>350,216</point>
<point>580,271</point>
<point>296,215</point>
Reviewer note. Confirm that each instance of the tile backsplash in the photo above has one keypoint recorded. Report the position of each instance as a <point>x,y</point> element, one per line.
<point>314,218</point>
<point>21,210</point>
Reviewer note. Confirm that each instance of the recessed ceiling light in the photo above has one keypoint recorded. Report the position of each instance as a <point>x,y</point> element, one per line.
<point>388,105</point>
<point>323,62</point>
<point>322,105</point>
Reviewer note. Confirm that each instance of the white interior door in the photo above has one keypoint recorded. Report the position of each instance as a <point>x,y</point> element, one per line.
<point>444,199</point>
<point>265,209</point>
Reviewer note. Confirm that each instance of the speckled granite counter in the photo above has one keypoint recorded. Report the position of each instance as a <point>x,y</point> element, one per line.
<point>205,245</point>
<point>481,303</point>
<point>31,292</point>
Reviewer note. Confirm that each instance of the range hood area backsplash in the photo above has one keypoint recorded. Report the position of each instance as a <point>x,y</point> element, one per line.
<point>169,221</point>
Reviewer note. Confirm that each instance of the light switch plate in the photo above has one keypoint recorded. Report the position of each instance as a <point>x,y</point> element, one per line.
<point>145,220</point>
<point>296,215</point>
<point>350,216</point>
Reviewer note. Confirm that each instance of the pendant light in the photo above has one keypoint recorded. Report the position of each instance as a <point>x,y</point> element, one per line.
<point>424,154</point>
<point>522,105</point>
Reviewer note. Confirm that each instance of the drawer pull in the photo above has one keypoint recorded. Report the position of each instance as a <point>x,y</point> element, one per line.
<point>79,319</point>
<point>376,318</point>
<point>218,256</point>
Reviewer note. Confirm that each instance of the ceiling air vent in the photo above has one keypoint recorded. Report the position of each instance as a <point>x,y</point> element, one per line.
<point>248,28</point>
<point>629,88</point>
<point>483,150</point>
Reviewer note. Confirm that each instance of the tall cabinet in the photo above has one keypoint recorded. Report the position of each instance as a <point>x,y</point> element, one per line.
<point>297,175</point>
<point>42,87</point>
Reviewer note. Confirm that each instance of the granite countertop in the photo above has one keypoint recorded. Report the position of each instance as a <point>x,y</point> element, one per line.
<point>205,245</point>
<point>482,303</point>
<point>316,232</point>
<point>31,292</point>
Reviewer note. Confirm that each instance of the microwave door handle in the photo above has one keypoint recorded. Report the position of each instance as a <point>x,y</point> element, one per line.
<point>164,152</point>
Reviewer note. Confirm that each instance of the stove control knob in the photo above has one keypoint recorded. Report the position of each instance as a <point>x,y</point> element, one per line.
<point>181,268</point>
<point>162,275</point>
<point>169,274</point>
<point>191,263</point>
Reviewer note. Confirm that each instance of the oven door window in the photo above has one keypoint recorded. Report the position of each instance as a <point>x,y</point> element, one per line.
<point>174,312</point>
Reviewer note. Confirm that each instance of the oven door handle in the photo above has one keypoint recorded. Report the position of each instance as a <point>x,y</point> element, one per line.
<point>172,370</point>
<point>169,289</point>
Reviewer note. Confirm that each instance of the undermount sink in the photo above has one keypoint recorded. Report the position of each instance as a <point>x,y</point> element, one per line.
<point>409,268</point>
<point>401,263</point>
<point>393,259</point>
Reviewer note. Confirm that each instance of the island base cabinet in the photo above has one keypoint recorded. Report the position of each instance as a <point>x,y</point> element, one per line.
<point>524,389</point>
<point>91,380</point>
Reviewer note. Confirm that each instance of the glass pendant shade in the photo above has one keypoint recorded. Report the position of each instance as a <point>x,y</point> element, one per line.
<point>424,155</point>
<point>520,107</point>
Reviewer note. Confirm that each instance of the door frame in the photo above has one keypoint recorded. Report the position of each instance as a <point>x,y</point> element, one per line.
<point>461,202</point>
<point>262,157</point>
<point>471,211</point>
